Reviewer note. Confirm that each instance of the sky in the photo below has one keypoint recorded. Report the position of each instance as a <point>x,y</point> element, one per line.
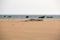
<point>27,7</point>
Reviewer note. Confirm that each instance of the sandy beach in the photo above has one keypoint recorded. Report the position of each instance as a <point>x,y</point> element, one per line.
<point>17,29</point>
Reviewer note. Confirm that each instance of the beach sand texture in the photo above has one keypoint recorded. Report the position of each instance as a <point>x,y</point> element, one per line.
<point>17,29</point>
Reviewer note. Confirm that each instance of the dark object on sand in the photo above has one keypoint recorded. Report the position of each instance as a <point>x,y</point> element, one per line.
<point>27,16</point>
<point>42,17</point>
<point>49,17</point>
<point>34,20</point>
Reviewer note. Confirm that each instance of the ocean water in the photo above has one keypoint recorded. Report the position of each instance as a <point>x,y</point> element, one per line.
<point>30,16</point>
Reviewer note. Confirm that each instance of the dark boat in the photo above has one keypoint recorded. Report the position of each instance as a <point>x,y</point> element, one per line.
<point>8,16</point>
<point>49,17</point>
<point>4,16</point>
<point>42,17</point>
<point>27,17</point>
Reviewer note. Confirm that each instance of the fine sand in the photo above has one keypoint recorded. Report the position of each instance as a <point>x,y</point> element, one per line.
<point>17,29</point>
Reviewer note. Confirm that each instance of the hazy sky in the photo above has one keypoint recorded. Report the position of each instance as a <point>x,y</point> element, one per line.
<point>29,6</point>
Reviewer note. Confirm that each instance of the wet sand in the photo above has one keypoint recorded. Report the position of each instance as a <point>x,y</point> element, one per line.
<point>17,29</point>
